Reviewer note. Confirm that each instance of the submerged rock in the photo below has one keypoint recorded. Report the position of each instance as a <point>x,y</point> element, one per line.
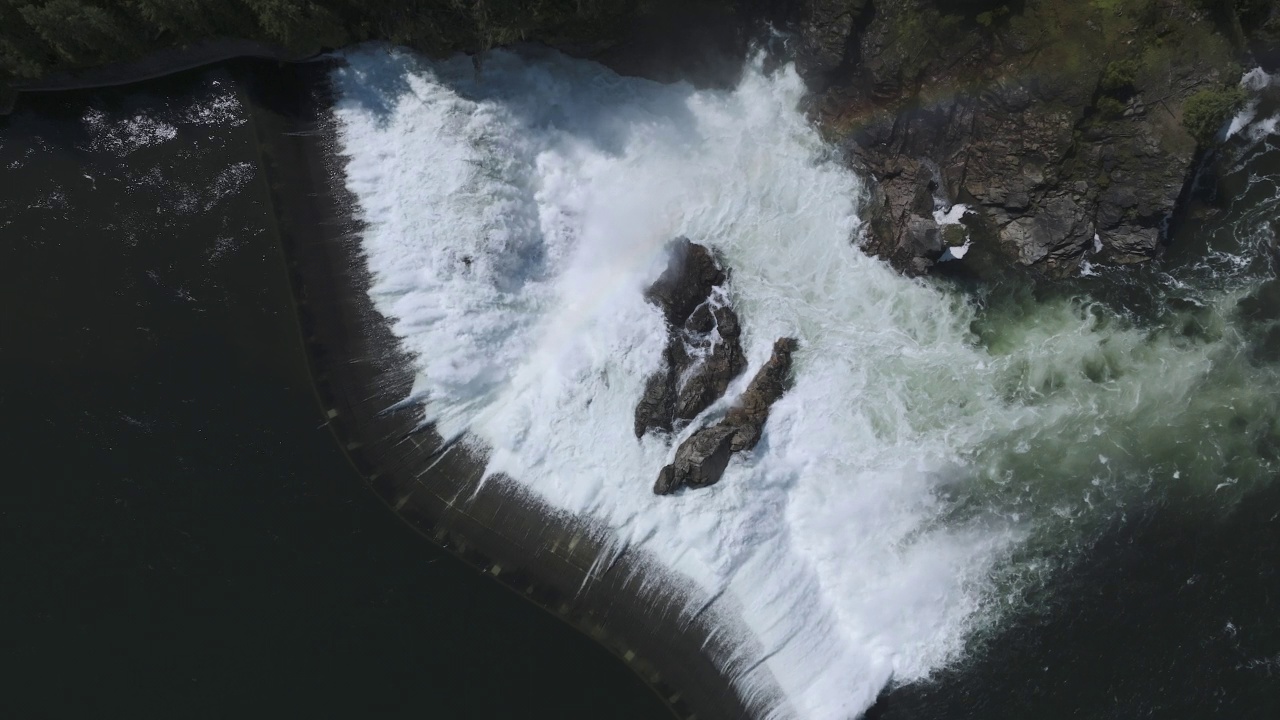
<point>704,350</point>
<point>701,459</point>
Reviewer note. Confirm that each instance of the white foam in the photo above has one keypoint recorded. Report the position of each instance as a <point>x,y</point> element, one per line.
<point>185,197</point>
<point>1254,81</point>
<point>1242,119</point>
<point>1263,128</point>
<point>219,106</point>
<point>514,217</point>
<point>957,252</point>
<point>122,137</point>
<point>951,216</point>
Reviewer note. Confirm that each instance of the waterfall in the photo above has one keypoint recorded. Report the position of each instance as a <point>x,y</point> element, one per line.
<point>934,454</point>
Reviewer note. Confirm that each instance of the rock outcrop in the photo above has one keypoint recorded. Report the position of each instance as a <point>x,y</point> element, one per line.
<point>701,459</point>
<point>1061,125</point>
<point>703,353</point>
<point>691,274</point>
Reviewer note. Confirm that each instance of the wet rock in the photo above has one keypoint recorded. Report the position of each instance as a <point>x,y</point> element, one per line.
<point>825,28</point>
<point>701,320</point>
<point>701,459</point>
<point>924,236</point>
<point>748,416</point>
<point>704,349</point>
<point>687,282</point>
<point>657,407</point>
<point>946,108</point>
<point>707,376</point>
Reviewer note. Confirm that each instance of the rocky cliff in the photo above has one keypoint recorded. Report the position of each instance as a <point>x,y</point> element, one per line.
<point>1069,130</point>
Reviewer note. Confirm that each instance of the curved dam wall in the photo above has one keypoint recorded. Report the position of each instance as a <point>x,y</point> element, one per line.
<point>361,376</point>
<point>158,64</point>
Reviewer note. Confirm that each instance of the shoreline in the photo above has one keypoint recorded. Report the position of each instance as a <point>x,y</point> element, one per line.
<point>168,61</point>
<point>159,63</point>
<point>500,529</point>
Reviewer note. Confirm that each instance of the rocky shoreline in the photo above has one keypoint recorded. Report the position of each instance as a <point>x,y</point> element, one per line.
<point>158,64</point>
<point>1070,132</point>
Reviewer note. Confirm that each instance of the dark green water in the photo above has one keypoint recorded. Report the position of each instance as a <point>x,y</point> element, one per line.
<point>179,534</point>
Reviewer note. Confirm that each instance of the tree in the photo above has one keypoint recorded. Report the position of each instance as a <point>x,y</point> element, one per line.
<point>299,24</point>
<point>1207,110</point>
<point>77,31</point>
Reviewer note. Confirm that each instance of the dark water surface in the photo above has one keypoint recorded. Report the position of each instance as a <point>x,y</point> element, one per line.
<point>180,536</point>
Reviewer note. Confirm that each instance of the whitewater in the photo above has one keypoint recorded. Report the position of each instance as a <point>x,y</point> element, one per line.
<point>929,462</point>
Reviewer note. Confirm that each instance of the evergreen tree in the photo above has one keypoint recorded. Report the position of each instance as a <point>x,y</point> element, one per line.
<point>299,24</point>
<point>78,32</point>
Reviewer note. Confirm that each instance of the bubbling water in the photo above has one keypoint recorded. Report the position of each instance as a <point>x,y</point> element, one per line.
<point>514,214</point>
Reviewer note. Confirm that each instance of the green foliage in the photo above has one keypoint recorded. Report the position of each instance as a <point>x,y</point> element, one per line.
<point>988,18</point>
<point>180,18</point>
<point>1212,5</point>
<point>1253,12</point>
<point>914,36</point>
<point>954,235</point>
<point>1125,8</point>
<point>1109,107</point>
<point>77,32</point>
<point>1118,77</point>
<point>1207,110</point>
<point>300,24</point>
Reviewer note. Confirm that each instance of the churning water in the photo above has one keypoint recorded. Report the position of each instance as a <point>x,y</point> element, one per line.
<point>940,453</point>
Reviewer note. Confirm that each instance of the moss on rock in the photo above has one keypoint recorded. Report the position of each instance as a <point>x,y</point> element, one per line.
<point>1208,110</point>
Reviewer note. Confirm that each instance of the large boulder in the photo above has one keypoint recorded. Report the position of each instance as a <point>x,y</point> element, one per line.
<point>701,459</point>
<point>703,353</point>
<point>692,272</point>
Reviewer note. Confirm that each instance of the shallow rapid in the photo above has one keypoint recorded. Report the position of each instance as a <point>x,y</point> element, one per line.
<point>940,453</point>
